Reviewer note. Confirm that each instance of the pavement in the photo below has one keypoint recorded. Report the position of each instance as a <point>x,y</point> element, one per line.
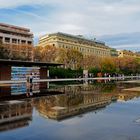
<point>132,81</point>
<point>70,79</point>
<point>133,89</point>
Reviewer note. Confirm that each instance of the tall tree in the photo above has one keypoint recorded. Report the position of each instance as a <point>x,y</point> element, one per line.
<point>37,53</point>
<point>70,57</point>
<point>74,58</point>
<point>4,52</point>
<point>91,61</point>
<point>108,65</point>
<point>46,54</point>
<point>49,53</point>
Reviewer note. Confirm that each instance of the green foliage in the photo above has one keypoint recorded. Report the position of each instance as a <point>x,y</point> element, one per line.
<point>94,70</point>
<point>65,73</point>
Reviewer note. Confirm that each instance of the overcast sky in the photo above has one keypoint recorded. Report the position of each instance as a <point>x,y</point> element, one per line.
<point>117,22</point>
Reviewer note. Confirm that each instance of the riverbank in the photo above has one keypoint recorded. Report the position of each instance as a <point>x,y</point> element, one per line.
<point>73,79</point>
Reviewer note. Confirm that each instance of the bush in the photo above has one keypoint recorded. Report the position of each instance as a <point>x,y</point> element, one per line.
<point>65,73</point>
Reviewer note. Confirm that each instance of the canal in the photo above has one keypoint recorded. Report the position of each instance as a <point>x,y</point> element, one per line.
<point>84,110</point>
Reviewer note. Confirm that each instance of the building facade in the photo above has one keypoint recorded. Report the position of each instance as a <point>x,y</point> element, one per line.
<point>126,53</point>
<point>79,43</point>
<point>114,52</point>
<point>18,40</point>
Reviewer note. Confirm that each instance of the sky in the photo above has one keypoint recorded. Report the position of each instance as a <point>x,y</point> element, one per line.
<point>116,22</point>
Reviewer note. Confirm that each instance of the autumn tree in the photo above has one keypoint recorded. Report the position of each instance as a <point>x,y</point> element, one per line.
<point>74,58</point>
<point>37,53</point>
<point>45,54</point>
<point>71,58</point>
<point>49,53</point>
<point>62,56</point>
<point>18,56</point>
<point>91,61</point>
<point>4,52</point>
<point>108,65</point>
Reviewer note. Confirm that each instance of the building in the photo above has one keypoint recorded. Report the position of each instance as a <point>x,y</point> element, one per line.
<point>15,114</point>
<point>113,52</point>
<point>126,53</point>
<point>79,43</point>
<point>60,107</point>
<point>18,40</point>
<point>76,100</point>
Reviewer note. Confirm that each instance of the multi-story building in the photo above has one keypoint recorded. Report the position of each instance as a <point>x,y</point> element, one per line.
<point>113,52</point>
<point>126,53</point>
<point>17,40</point>
<point>83,45</point>
<point>77,99</point>
<point>15,114</point>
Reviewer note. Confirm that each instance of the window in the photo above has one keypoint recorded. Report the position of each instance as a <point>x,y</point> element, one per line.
<point>23,41</point>
<point>14,40</point>
<point>29,42</point>
<point>1,38</point>
<point>18,41</point>
<point>7,40</point>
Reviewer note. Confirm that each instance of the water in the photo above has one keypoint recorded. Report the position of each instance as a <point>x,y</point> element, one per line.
<point>73,111</point>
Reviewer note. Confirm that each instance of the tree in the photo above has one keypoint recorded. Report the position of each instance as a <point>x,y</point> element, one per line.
<point>45,54</point>
<point>62,56</point>
<point>4,52</point>
<point>70,57</point>
<point>91,61</point>
<point>49,53</point>
<point>37,53</point>
<point>108,65</point>
<point>19,56</point>
<point>74,58</point>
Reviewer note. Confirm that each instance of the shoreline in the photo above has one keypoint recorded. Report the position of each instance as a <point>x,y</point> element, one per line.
<point>73,79</point>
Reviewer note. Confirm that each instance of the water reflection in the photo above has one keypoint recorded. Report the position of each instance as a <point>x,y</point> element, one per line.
<point>57,102</point>
<point>15,114</point>
<point>21,91</point>
<point>63,106</point>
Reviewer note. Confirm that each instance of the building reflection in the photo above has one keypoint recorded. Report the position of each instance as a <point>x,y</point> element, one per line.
<point>61,102</point>
<point>128,95</point>
<point>21,91</point>
<point>15,114</point>
<point>76,100</point>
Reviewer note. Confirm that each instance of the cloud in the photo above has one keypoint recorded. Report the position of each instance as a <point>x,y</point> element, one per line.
<point>118,19</point>
<point>129,41</point>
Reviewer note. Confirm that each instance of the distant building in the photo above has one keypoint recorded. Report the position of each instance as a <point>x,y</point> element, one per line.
<point>79,43</point>
<point>79,99</point>
<point>15,114</point>
<point>113,52</point>
<point>17,40</point>
<point>126,53</point>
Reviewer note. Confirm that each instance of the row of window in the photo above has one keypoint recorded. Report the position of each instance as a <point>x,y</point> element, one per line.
<point>79,42</point>
<point>15,41</point>
<point>85,50</point>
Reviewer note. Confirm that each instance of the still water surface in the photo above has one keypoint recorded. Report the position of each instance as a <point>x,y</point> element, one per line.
<point>74,111</point>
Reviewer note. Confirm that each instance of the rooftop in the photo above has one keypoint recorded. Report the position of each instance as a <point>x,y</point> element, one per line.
<point>28,63</point>
<point>80,37</point>
<point>15,27</point>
